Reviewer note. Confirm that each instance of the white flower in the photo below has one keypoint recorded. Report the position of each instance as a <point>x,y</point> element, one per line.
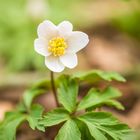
<point>59,44</point>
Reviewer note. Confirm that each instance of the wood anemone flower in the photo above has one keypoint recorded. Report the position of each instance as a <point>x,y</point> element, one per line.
<point>59,44</point>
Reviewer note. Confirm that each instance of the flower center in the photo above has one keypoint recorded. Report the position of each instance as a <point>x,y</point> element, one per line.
<point>57,46</point>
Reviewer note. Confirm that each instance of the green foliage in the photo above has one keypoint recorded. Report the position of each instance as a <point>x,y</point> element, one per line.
<point>133,136</point>
<point>67,92</point>
<point>34,117</point>
<point>97,76</point>
<point>85,134</point>
<point>96,98</point>
<point>102,118</point>
<point>9,125</point>
<point>55,117</point>
<point>14,119</point>
<point>79,120</point>
<point>29,96</point>
<point>25,112</point>
<point>36,90</point>
<point>42,85</point>
<point>103,125</point>
<point>69,131</point>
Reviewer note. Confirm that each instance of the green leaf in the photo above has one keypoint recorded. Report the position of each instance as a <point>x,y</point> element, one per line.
<point>103,125</point>
<point>96,98</point>
<point>55,117</point>
<point>37,89</point>
<point>44,85</point>
<point>69,131</point>
<point>67,92</point>
<point>117,132</point>
<point>133,136</point>
<point>114,103</point>
<point>96,133</point>
<point>29,95</point>
<point>21,107</point>
<point>102,118</point>
<point>10,124</point>
<point>85,134</point>
<point>98,75</point>
<point>34,117</point>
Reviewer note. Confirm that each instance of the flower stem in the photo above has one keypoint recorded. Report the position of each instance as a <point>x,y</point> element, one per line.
<point>54,88</point>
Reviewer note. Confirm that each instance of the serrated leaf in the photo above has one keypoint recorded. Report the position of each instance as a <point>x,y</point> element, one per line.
<point>96,133</point>
<point>85,134</point>
<point>117,132</point>
<point>102,118</point>
<point>114,103</point>
<point>55,117</point>
<point>10,124</point>
<point>34,117</point>
<point>67,92</point>
<point>96,98</point>
<point>69,131</point>
<point>29,95</point>
<point>102,125</point>
<point>98,75</point>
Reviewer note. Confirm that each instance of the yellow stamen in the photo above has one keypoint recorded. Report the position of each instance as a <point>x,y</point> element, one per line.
<point>57,46</point>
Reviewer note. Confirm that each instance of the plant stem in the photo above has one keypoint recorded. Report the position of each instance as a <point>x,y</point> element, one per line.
<point>54,88</point>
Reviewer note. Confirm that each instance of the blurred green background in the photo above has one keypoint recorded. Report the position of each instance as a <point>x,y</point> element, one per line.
<point>19,20</point>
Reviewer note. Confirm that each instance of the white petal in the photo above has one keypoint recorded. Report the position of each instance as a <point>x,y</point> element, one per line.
<point>54,64</point>
<point>69,60</point>
<point>47,30</point>
<point>64,28</point>
<point>41,47</point>
<point>77,41</point>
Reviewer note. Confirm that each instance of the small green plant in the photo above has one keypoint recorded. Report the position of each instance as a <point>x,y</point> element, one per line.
<point>79,119</point>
